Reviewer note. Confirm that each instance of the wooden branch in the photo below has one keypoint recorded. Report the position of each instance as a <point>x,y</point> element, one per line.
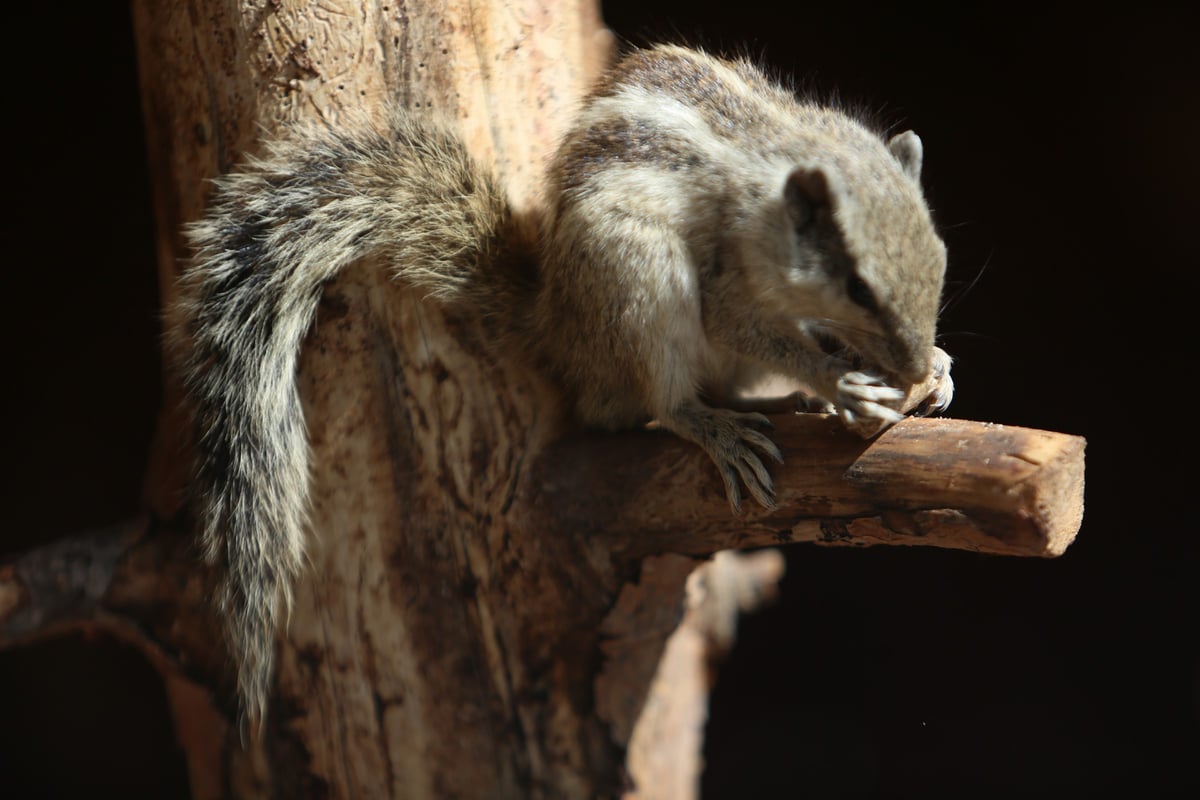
<point>61,585</point>
<point>137,580</point>
<point>937,482</point>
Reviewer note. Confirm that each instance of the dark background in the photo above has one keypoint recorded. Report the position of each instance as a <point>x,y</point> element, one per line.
<point>1061,154</point>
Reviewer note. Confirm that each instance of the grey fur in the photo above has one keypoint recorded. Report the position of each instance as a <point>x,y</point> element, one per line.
<point>703,228</point>
<point>275,233</point>
<point>707,228</point>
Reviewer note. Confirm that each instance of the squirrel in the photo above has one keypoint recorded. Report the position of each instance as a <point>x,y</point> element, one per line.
<point>703,227</point>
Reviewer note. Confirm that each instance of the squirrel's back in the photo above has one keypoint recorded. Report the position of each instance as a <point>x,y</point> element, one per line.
<point>674,177</point>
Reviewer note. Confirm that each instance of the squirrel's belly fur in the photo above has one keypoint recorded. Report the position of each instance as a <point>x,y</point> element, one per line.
<point>702,224</point>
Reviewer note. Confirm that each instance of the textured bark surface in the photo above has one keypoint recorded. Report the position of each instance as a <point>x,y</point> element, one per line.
<point>403,671</point>
<point>659,661</point>
<point>938,482</point>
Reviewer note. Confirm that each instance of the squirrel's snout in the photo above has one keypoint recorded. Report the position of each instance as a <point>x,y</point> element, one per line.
<point>913,361</point>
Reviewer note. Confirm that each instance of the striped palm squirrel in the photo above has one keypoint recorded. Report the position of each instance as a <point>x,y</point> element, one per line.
<point>703,227</point>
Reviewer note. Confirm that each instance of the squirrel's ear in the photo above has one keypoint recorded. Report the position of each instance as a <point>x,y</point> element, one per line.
<point>806,190</point>
<point>906,148</point>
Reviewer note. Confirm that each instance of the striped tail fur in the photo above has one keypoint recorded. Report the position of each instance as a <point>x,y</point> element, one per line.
<point>276,231</point>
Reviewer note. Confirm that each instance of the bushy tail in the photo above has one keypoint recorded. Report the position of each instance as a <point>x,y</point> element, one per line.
<point>275,233</point>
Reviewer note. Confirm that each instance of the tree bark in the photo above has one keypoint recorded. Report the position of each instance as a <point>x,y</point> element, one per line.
<point>402,672</point>
<point>495,606</point>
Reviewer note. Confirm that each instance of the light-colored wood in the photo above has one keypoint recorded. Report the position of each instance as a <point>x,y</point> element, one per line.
<point>935,482</point>
<point>403,671</point>
<point>660,660</point>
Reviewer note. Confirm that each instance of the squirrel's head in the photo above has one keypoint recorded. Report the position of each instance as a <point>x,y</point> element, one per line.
<point>864,265</point>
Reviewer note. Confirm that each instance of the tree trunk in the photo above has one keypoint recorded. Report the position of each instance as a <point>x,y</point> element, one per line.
<point>403,672</point>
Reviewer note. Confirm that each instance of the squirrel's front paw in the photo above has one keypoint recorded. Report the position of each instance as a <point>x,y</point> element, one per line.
<point>867,404</point>
<point>934,395</point>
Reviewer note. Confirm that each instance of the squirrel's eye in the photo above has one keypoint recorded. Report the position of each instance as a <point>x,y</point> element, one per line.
<point>858,291</point>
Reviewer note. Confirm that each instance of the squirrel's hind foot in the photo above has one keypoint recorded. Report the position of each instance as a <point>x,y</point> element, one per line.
<point>733,441</point>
